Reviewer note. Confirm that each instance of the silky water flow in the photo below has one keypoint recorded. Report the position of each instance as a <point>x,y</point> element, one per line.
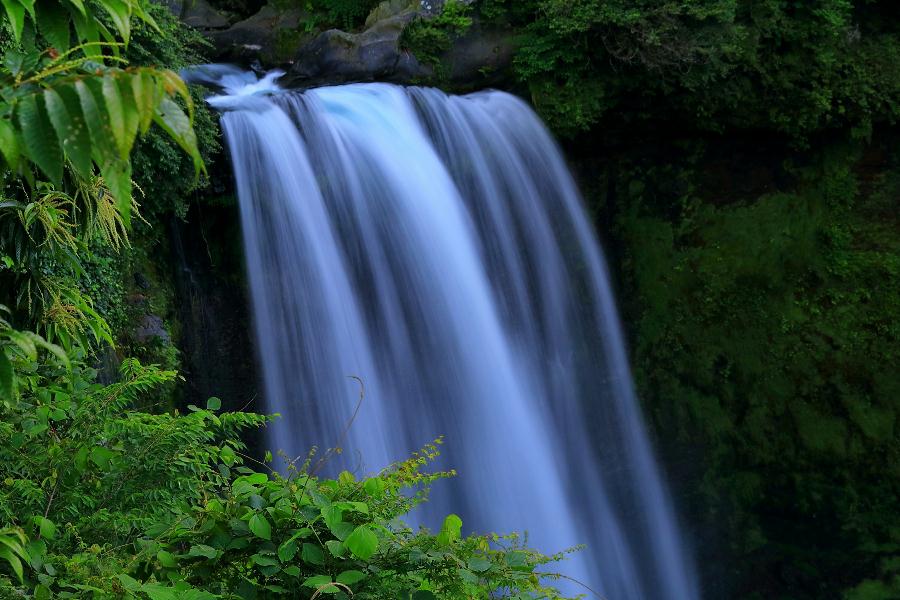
<point>436,248</point>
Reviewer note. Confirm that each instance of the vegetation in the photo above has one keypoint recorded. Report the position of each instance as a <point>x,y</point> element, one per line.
<point>739,159</point>
<point>107,492</point>
<point>107,502</point>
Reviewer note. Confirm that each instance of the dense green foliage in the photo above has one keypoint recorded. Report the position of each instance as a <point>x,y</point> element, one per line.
<point>106,491</point>
<point>108,502</point>
<point>737,156</point>
<point>429,38</point>
<point>765,328</point>
<point>779,65</point>
<point>71,112</point>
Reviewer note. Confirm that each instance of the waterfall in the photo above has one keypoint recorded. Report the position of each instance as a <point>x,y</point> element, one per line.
<point>436,248</point>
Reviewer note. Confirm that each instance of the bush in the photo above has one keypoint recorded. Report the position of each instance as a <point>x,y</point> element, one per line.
<point>120,503</point>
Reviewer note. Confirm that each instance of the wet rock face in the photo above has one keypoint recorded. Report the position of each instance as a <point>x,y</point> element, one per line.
<point>373,55</point>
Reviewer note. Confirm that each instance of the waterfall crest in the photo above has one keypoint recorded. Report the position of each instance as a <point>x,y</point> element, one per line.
<point>436,247</point>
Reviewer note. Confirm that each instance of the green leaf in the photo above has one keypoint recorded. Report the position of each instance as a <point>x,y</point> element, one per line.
<point>317,581</point>
<point>9,144</point>
<point>71,130</point>
<point>450,530</point>
<point>120,14</point>
<point>166,559</point>
<point>374,487</point>
<point>41,143</point>
<point>7,377</point>
<point>362,542</point>
<point>287,551</point>
<point>172,119</point>
<point>112,98</point>
<point>46,527</point>
<point>264,561</point>
<point>517,559</point>
<point>131,117</point>
<point>16,13</point>
<point>144,90</point>
<point>101,456</point>
<point>312,554</point>
<point>479,565</point>
<point>260,527</point>
<point>157,591</point>
<point>337,549</point>
<point>342,530</point>
<point>203,550</point>
<point>24,342</point>
<point>423,595</point>
<point>213,404</point>
<point>86,31</point>
<point>350,577</point>
<point>116,171</point>
<point>227,455</point>
<point>129,583</point>
<point>117,175</point>
<point>332,515</point>
<point>14,562</point>
<point>78,5</point>
<point>53,20</point>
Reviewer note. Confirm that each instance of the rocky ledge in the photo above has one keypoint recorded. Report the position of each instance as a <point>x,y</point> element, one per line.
<point>282,38</point>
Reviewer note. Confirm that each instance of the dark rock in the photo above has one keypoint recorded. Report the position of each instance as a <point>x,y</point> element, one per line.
<point>276,38</point>
<point>151,327</point>
<point>374,55</point>
<point>197,13</point>
<point>141,281</point>
<point>391,8</point>
<point>271,36</point>
<point>479,58</point>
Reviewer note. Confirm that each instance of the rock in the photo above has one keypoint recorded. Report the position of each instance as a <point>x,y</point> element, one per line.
<point>374,55</point>
<point>271,36</point>
<point>197,13</point>
<point>151,326</point>
<point>276,38</point>
<point>480,58</point>
<point>141,281</point>
<point>389,9</point>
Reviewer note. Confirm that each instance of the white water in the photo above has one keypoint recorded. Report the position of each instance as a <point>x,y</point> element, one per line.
<point>436,247</point>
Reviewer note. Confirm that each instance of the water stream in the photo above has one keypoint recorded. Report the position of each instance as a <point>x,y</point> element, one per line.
<point>436,248</point>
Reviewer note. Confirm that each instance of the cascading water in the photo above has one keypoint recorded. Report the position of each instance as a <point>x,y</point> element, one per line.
<point>436,248</point>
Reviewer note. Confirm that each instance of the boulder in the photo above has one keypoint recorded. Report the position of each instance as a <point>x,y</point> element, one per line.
<point>271,37</point>
<point>480,58</point>
<point>374,55</point>
<point>151,327</point>
<point>197,13</point>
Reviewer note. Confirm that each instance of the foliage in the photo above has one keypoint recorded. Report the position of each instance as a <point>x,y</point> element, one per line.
<point>71,112</point>
<point>765,329</point>
<point>795,67</point>
<point>63,107</point>
<point>119,503</point>
<point>429,38</point>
